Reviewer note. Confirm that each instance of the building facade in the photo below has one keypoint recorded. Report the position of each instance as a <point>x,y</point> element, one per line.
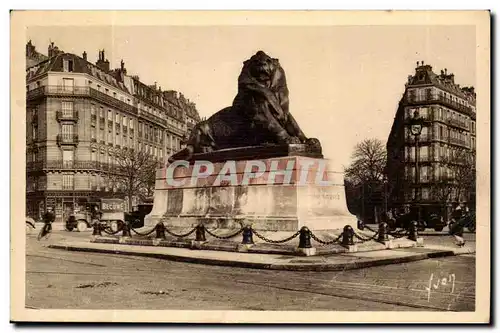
<point>79,115</point>
<point>449,132</point>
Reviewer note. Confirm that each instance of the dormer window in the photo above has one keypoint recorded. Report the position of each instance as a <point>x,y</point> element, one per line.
<point>68,65</point>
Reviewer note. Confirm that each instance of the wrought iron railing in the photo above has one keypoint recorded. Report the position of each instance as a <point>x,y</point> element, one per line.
<point>71,115</point>
<point>441,100</point>
<point>67,139</point>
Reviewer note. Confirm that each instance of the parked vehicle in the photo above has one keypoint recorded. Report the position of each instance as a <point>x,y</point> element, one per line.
<point>111,211</point>
<point>136,218</point>
<point>429,218</point>
<point>467,221</point>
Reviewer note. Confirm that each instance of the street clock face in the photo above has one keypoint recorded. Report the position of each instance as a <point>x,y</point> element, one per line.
<point>416,129</point>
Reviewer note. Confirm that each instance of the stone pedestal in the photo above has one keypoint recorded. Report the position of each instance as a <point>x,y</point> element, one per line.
<point>291,192</point>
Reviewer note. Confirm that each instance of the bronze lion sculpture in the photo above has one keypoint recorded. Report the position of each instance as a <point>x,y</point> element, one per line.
<point>258,116</point>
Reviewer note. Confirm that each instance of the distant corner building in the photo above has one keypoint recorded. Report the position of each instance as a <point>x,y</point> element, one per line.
<point>449,112</point>
<point>78,114</point>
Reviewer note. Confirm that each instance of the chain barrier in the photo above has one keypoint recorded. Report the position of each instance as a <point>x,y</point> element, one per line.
<point>370,229</point>
<point>363,239</point>
<point>275,241</point>
<point>145,233</point>
<point>336,240</point>
<point>110,232</point>
<point>225,237</point>
<point>398,234</point>
<point>180,235</point>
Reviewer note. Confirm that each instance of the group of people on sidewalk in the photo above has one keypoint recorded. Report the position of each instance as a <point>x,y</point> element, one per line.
<point>460,219</point>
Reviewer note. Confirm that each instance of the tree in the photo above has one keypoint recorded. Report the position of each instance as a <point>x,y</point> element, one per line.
<point>462,166</point>
<point>364,178</point>
<point>369,160</point>
<point>457,180</point>
<point>135,173</point>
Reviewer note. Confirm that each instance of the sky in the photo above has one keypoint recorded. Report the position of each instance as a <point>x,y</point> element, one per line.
<point>345,81</point>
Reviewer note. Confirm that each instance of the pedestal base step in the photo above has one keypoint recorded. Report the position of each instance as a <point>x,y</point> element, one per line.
<point>324,242</point>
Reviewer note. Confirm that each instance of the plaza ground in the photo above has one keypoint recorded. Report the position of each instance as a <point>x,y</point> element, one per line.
<point>58,279</point>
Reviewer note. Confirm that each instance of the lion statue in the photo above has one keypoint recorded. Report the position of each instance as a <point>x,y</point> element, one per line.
<point>259,114</point>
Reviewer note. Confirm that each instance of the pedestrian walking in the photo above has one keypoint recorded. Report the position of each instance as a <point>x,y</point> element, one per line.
<point>48,218</point>
<point>457,225</point>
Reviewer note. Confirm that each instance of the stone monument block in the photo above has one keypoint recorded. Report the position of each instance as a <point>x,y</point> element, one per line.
<point>273,194</point>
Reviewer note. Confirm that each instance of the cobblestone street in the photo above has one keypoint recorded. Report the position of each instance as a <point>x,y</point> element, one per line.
<point>60,279</point>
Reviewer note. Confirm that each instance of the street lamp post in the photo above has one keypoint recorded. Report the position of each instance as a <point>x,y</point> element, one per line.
<point>385,193</point>
<point>416,125</point>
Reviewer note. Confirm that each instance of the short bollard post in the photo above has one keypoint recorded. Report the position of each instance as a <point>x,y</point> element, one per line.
<point>413,231</point>
<point>126,230</point>
<point>200,233</point>
<point>305,238</point>
<point>347,236</point>
<point>97,230</point>
<point>382,232</point>
<point>247,235</point>
<point>160,231</point>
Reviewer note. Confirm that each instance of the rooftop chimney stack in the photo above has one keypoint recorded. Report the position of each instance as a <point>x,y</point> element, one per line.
<point>84,55</point>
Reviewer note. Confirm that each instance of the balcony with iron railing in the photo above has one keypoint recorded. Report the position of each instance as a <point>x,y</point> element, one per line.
<point>71,165</point>
<point>457,123</point>
<point>67,115</point>
<point>67,139</point>
<point>154,118</point>
<point>64,91</point>
<point>458,141</point>
<point>408,100</point>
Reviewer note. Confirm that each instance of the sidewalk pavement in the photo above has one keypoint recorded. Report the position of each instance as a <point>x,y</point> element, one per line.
<point>331,262</point>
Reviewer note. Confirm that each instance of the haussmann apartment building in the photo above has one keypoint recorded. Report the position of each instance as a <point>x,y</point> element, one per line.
<point>78,114</point>
<point>449,114</point>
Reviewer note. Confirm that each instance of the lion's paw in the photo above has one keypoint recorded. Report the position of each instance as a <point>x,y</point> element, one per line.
<point>313,142</point>
<point>293,140</point>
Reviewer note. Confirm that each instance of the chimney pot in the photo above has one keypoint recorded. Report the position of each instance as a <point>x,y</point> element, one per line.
<point>84,55</point>
<point>422,62</point>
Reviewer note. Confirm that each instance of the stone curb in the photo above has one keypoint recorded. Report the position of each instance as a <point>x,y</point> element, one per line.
<point>270,266</point>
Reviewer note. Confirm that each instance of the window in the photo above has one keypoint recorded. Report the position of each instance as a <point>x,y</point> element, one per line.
<point>101,112</point>
<point>68,158</point>
<point>67,109</point>
<point>114,94</point>
<point>106,90</point>
<point>92,133</point>
<point>93,156</point>
<point>102,160</point>
<point>117,118</point>
<point>90,83</point>
<point>124,122</point>
<point>67,181</point>
<point>68,85</point>
<point>110,115</point>
<point>68,65</point>
<point>67,131</point>
<point>102,135</point>
<point>110,137</point>
<point>98,88</point>
<point>92,109</point>
<point>118,139</point>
